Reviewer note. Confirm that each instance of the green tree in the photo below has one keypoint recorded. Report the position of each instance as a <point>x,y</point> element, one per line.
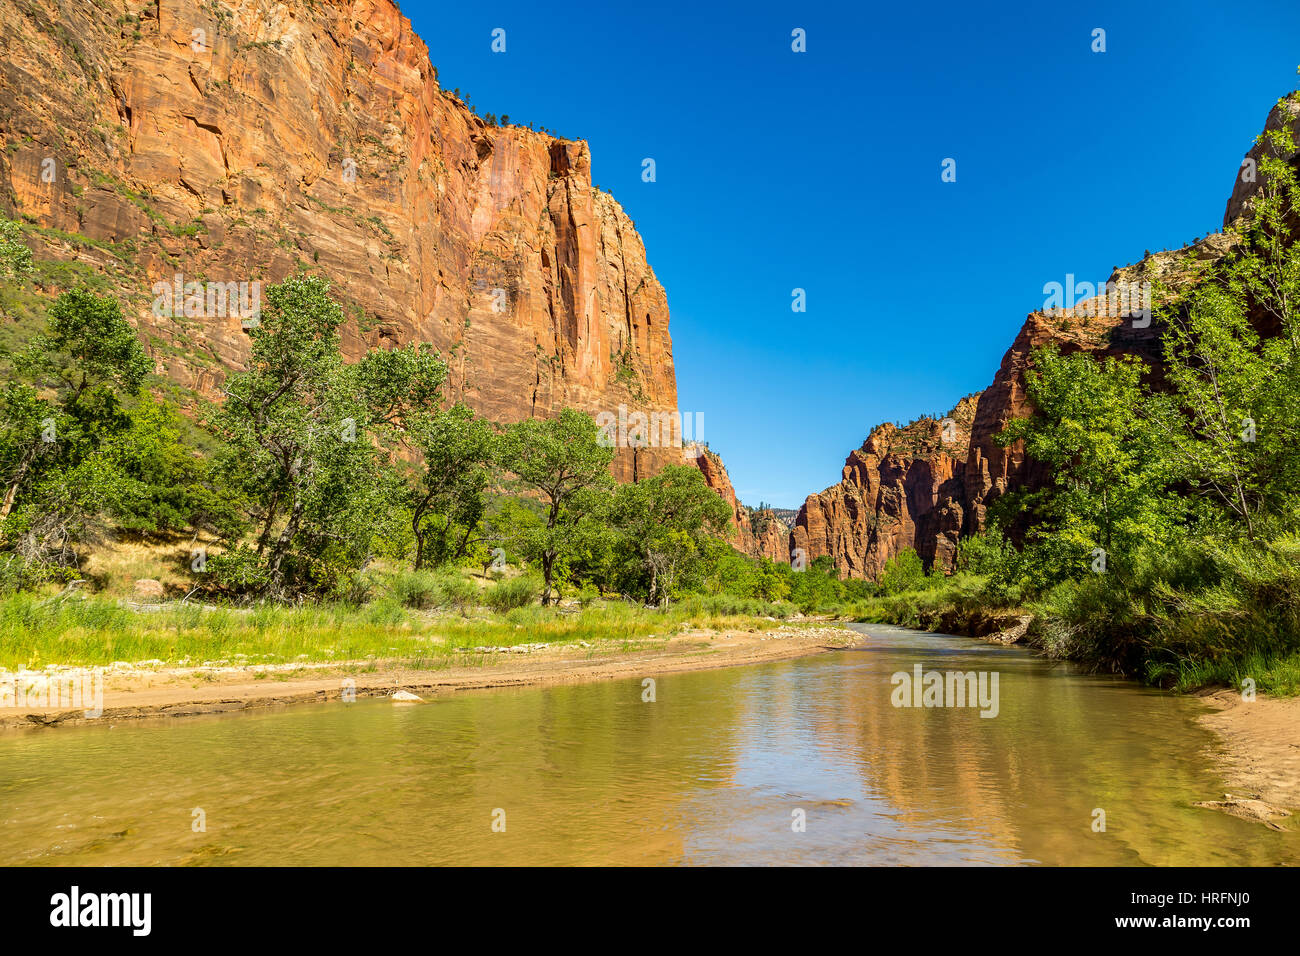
<point>562,461</point>
<point>15,257</point>
<point>459,452</point>
<point>1220,378</point>
<point>168,485</point>
<point>817,586</point>
<point>903,572</point>
<point>1111,467</point>
<point>662,522</point>
<point>59,482</point>
<point>311,439</point>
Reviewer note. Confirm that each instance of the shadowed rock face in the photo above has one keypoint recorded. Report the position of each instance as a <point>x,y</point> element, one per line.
<point>902,489</point>
<point>313,135</point>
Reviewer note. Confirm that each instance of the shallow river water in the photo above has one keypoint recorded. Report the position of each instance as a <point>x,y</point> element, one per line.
<point>804,761</point>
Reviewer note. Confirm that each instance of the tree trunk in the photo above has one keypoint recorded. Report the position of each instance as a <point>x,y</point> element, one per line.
<point>270,517</point>
<point>11,493</point>
<point>548,571</point>
<point>282,544</point>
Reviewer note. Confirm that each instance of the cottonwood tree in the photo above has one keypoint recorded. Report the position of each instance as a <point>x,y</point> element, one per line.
<point>59,483</point>
<point>661,524</point>
<point>1233,395</point>
<point>459,453</point>
<point>1111,466</point>
<point>562,461</point>
<point>1218,375</point>
<point>310,439</point>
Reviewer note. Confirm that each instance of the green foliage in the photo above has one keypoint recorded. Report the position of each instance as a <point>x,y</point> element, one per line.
<point>15,257</point>
<point>563,461</point>
<point>903,572</point>
<point>1111,471</point>
<point>662,524</point>
<point>510,593</point>
<point>168,485</point>
<point>460,454</point>
<point>428,589</point>
<point>89,353</point>
<point>1190,484</point>
<point>57,433</point>
<point>310,439</point>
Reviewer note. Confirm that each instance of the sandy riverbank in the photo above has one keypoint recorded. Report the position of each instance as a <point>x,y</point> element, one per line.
<point>160,691</point>
<point>1259,755</point>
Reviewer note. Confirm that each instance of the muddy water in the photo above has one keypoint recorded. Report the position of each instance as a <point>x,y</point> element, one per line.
<point>721,768</point>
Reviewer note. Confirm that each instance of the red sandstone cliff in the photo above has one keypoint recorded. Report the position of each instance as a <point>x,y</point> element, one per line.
<point>756,532</point>
<point>904,489</point>
<point>312,134</point>
<point>901,489</point>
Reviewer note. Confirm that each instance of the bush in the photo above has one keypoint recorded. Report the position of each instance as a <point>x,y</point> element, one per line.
<point>240,570</point>
<point>903,572</point>
<point>423,590</point>
<point>513,592</point>
<point>417,589</point>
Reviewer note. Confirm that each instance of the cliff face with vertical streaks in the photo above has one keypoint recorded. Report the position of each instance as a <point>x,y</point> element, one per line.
<point>246,140</point>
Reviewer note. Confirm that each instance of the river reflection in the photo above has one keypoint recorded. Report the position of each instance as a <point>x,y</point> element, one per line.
<point>716,770</point>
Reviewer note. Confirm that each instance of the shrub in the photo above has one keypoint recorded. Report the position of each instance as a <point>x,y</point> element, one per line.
<point>423,590</point>
<point>415,589</point>
<point>455,592</point>
<point>513,592</point>
<point>903,572</point>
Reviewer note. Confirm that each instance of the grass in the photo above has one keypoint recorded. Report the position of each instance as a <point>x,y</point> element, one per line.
<point>95,631</point>
<point>1276,674</point>
<point>426,618</point>
<point>520,591</point>
<point>1205,619</point>
<point>114,571</point>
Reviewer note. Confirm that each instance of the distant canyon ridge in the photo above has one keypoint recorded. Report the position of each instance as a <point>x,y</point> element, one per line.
<point>228,141</point>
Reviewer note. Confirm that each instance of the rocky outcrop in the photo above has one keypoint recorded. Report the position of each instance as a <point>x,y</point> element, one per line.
<point>758,533</point>
<point>245,141</point>
<point>1248,181</point>
<point>902,490</point>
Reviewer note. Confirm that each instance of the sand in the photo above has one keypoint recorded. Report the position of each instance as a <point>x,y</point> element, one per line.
<point>160,691</point>
<point>1259,754</point>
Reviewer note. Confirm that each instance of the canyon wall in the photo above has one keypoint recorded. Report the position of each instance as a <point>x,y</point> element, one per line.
<point>915,488</point>
<point>248,140</point>
<point>756,532</point>
<point>902,489</point>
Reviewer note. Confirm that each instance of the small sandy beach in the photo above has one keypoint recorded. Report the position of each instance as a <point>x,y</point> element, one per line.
<point>143,691</point>
<point>1259,754</point>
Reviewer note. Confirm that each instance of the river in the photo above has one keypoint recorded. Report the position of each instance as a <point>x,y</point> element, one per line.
<point>796,762</point>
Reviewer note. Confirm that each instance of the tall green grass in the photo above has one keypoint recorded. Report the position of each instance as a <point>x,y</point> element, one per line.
<point>1188,617</point>
<point>36,631</point>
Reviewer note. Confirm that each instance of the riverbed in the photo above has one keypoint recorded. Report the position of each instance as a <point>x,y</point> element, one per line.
<point>805,761</point>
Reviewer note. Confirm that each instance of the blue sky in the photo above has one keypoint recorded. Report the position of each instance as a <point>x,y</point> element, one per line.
<point>821,170</point>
